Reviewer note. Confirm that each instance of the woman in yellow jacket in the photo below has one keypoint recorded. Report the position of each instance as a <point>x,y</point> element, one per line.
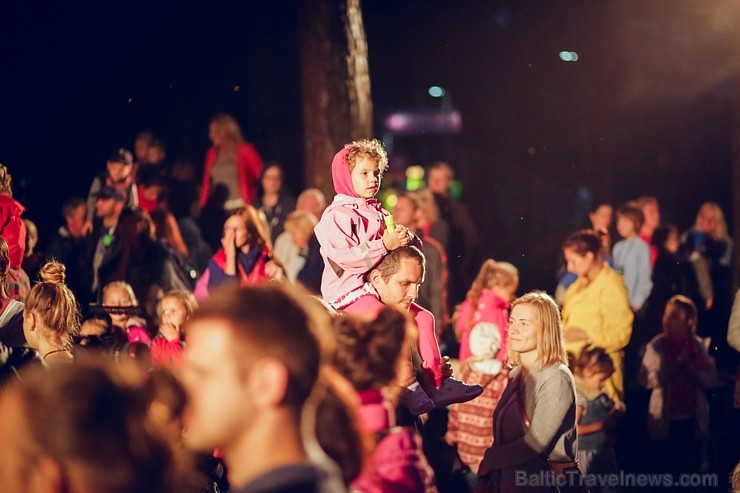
<point>596,309</point>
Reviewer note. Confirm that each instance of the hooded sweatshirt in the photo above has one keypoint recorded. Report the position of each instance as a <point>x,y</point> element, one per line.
<point>350,233</point>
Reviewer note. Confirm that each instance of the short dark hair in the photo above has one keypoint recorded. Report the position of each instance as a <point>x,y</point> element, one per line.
<point>595,357</point>
<point>392,261</point>
<point>71,205</point>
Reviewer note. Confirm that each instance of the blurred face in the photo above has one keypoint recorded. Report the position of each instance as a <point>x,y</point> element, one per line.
<point>402,288</point>
<point>239,226</point>
<point>365,177</point>
<point>708,220</point>
<point>118,172</point>
<point>173,312</point>
<point>675,321</point>
<point>219,406</point>
<point>625,227</point>
<point>300,238</point>
<point>115,296</point>
<point>672,243</point>
<point>154,155</point>
<point>141,147</point>
<point>404,212</point>
<point>601,218</point>
<point>14,447</point>
<point>76,220</point>
<point>105,207</point>
<point>652,216</point>
<point>272,180</point>
<point>310,203</point>
<point>594,378</point>
<point>578,264</point>
<point>215,135</point>
<point>524,329</point>
<point>439,181</point>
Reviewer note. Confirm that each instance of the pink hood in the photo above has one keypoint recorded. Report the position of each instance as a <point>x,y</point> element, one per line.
<point>340,174</point>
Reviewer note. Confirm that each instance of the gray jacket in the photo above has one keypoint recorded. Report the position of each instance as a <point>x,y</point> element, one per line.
<point>550,403</point>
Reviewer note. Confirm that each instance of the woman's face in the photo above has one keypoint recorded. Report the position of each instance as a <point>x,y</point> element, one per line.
<point>173,312</point>
<point>115,296</point>
<point>525,328</point>
<point>601,218</point>
<point>215,135</point>
<point>708,220</point>
<point>672,243</point>
<point>239,226</point>
<point>272,180</point>
<point>578,264</point>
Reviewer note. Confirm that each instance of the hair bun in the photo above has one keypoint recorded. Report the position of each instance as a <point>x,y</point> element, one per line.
<point>53,272</point>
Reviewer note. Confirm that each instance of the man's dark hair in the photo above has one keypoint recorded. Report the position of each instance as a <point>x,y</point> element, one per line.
<point>70,205</point>
<point>392,261</point>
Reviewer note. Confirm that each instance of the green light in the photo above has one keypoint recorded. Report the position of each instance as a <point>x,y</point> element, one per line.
<point>436,92</point>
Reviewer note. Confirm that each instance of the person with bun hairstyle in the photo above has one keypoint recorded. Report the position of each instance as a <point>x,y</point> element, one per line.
<point>84,427</point>
<point>534,425</point>
<point>245,257</point>
<point>369,353</point>
<point>51,317</point>
<point>596,308</point>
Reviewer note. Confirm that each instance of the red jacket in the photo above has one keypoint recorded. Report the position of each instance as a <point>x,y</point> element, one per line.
<point>248,168</point>
<point>13,229</point>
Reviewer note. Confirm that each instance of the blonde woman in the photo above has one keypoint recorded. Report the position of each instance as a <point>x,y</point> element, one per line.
<point>232,165</point>
<point>534,425</point>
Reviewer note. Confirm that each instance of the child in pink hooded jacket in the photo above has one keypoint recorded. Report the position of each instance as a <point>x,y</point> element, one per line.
<point>352,230</point>
<point>354,238</point>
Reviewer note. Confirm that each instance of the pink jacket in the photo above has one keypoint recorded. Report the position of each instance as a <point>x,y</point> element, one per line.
<point>491,309</point>
<point>350,233</point>
<point>248,168</point>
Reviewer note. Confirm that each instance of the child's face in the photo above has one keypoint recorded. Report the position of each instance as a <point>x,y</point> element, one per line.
<point>115,296</point>
<point>365,177</point>
<point>625,227</point>
<point>173,312</point>
<point>239,226</point>
<point>594,378</point>
<point>676,321</point>
<point>118,172</point>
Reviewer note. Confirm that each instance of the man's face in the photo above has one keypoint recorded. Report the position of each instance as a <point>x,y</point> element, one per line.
<point>402,288</point>
<point>105,207</point>
<point>308,202</point>
<point>76,220</point>
<point>404,212</point>
<point>439,181</point>
<point>272,180</point>
<point>219,405</point>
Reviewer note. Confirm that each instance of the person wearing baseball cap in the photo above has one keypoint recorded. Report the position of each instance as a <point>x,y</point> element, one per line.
<point>118,174</point>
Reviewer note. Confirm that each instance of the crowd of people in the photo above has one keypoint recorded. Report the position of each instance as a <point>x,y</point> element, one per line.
<point>223,335</point>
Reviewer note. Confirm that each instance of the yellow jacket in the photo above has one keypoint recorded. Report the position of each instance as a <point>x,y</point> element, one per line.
<point>602,310</point>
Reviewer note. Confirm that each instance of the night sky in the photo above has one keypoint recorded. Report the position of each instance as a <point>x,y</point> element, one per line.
<point>647,108</point>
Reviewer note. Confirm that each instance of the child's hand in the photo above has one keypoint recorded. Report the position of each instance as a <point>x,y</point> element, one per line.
<point>169,331</point>
<point>391,239</point>
<point>404,234</point>
<point>619,407</point>
<point>87,228</point>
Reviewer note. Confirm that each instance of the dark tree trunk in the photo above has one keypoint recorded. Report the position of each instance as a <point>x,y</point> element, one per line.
<point>337,107</point>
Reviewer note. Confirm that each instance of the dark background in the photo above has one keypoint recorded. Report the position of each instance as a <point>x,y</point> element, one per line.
<point>647,109</point>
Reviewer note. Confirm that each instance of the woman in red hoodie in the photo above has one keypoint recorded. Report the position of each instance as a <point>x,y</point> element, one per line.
<point>231,164</point>
<point>11,224</point>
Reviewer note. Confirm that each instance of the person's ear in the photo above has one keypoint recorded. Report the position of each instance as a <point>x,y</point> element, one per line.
<point>268,382</point>
<point>374,277</point>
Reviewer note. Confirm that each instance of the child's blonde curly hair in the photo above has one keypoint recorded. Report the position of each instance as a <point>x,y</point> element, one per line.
<point>368,148</point>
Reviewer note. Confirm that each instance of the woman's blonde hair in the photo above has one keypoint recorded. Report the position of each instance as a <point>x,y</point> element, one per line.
<point>230,131</point>
<point>551,347</point>
<point>300,221</point>
<point>124,286</point>
<point>53,302</point>
<point>6,181</point>
<point>720,232</point>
